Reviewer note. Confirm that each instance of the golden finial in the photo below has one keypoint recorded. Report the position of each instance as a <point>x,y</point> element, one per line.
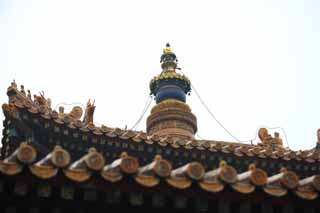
<point>167,49</point>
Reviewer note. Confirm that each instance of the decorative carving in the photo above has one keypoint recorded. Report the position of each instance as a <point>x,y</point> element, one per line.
<point>268,140</point>
<point>61,112</point>
<point>14,84</point>
<point>10,110</point>
<point>48,104</point>
<point>263,135</point>
<point>89,112</point>
<point>76,113</point>
<point>277,140</point>
<point>23,92</point>
<point>29,95</point>
<point>42,102</point>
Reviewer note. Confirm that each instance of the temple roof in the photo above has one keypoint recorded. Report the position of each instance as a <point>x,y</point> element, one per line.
<point>48,118</point>
<point>44,145</point>
<point>158,172</point>
<point>46,148</point>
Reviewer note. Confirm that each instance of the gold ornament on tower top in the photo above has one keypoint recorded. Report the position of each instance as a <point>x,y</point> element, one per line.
<point>167,49</point>
<point>171,116</point>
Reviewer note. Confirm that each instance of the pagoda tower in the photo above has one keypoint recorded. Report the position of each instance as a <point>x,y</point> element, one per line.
<point>171,116</point>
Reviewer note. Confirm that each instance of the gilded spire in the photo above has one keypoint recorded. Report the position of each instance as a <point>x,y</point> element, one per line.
<point>167,49</point>
<point>168,59</point>
<point>171,116</point>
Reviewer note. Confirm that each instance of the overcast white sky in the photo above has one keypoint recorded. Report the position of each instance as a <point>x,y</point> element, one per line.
<point>255,63</point>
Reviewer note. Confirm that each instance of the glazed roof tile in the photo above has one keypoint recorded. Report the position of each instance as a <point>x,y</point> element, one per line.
<point>192,174</point>
<point>233,148</point>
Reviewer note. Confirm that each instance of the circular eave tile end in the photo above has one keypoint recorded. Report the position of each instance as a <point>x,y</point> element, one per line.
<point>259,177</point>
<point>163,168</point>
<point>129,165</point>
<point>228,174</point>
<point>196,171</point>
<point>61,158</point>
<point>95,161</point>
<point>26,153</point>
<point>290,180</point>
